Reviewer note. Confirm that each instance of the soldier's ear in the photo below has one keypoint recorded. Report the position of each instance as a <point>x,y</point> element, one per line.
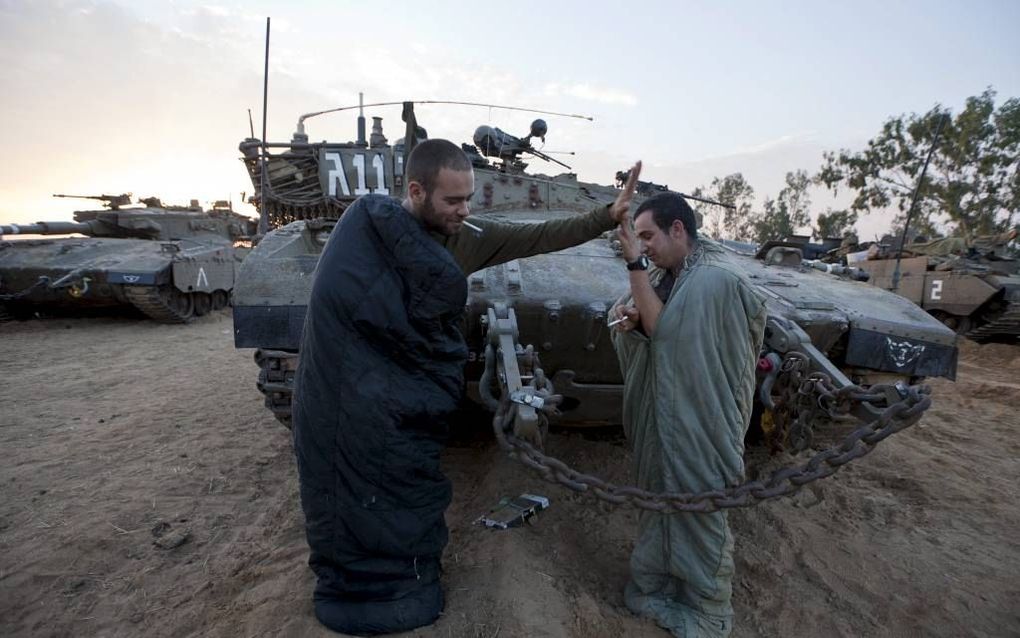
<point>676,230</point>
<point>416,192</point>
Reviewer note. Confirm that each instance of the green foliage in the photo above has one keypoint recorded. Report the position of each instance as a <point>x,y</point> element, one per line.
<point>972,185</point>
<point>735,191</point>
<point>835,223</point>
<point>788,212</point>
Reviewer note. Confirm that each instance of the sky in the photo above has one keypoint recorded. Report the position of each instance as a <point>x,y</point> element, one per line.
<point>152,97</point>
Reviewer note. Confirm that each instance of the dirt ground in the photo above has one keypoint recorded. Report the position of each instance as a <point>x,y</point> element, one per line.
<point>145,491</point>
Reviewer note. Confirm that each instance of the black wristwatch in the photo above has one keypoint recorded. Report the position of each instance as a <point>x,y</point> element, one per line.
<point>641,263</point>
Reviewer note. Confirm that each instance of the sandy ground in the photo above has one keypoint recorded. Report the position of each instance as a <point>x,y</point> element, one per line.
<point>145,491</point>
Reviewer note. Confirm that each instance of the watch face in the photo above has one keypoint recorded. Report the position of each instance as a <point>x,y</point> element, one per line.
<point>641,263</point>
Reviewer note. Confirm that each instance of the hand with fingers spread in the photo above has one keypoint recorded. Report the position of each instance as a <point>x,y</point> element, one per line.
<point>620,212</point>
<point>621,206</point>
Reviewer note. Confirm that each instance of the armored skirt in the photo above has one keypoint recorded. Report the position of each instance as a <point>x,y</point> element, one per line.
<point>381,370</point>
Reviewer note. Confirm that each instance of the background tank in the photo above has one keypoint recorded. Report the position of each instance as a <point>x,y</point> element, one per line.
<point>972,286</point>
<point>852,331</point>
<point>171,263</point>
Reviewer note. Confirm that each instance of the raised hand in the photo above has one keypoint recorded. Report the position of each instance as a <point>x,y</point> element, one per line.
<point>622,204</point>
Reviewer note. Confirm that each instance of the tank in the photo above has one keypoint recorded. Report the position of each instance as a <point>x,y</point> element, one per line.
<point>971,285</point>
<point>556,304</point>
<point>172,263</point>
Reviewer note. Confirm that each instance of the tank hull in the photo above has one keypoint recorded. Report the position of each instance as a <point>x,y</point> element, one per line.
<point>561,302</point>
<point>972,299</point>
<point>70,274</point>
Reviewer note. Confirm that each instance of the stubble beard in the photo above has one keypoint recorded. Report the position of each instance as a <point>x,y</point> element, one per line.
<point>430,218</point>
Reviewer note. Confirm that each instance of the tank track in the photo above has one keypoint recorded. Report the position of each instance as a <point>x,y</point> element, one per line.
<point>153,302</point>
<point>276,381</point>
<point>1005,324</point>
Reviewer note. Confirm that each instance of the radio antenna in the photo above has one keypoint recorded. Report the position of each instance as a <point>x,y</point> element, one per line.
<point>263,211</point>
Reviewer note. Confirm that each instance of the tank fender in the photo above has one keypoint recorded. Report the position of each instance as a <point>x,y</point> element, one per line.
<point>206,273</point>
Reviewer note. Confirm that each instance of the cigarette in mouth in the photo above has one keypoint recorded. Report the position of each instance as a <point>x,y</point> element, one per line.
<point>477,229</point>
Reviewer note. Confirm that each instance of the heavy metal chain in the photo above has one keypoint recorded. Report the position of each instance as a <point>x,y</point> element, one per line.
<point>894,408</point>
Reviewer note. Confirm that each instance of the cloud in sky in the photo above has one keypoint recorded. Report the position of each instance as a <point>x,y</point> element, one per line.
<point>152,96</point>
<point>101,98</point>
<point>583,91</point>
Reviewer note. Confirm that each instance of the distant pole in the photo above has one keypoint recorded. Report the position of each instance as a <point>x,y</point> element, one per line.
<point>913,201</point>
<point>263,213</point>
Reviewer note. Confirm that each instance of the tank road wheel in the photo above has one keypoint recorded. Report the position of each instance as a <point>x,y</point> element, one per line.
<point>220,299</point>
<point>202,302</point>
<point>165,304</point>
<point>181,302</point>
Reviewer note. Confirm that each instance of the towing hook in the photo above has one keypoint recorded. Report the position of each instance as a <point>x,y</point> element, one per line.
<point>79,288</point>
<point>76,284</point>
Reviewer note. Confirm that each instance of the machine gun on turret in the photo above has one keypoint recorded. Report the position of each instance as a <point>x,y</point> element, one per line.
<point>494,142</point>
<point>113,202</point>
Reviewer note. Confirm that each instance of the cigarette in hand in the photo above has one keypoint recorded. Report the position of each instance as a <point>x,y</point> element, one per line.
<point>477,229</point>
<point>613,323</point>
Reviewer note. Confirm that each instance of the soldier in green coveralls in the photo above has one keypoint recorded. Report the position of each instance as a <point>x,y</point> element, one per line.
<point>688,346</point>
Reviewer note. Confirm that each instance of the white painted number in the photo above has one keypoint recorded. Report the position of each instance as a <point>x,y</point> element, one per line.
<point>359,164</point>
<point>380,175</point>
<point>936,290</point>
<point>337,175</point>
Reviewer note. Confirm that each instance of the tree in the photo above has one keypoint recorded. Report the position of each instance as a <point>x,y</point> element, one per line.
<point>735,191</point>
<point>787,213</point>
<point>712,222</point>
<point>835,223</point>
<point>972,184</point>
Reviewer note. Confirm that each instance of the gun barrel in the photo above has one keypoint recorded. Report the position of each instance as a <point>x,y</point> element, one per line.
<point>45,228</point>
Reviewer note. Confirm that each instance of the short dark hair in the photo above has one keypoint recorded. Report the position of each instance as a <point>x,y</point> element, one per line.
<point>667,208</point>
<point>429,157</point>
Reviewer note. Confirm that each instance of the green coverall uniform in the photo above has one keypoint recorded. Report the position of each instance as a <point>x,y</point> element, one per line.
<point>688,392</point>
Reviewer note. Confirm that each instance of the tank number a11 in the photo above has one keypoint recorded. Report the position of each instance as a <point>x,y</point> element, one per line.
<point>936,290</point>
<point>345,169</point>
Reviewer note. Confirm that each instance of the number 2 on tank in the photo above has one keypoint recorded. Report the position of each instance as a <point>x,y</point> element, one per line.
<point>936,290</point>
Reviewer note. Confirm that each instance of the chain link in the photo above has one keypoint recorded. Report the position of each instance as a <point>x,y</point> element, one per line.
<point>815,390</point>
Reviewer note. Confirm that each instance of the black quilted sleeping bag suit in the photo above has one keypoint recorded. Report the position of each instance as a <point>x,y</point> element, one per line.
<point>381,370</point>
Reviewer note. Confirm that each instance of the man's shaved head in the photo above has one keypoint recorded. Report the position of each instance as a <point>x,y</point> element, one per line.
<point>431,156</point>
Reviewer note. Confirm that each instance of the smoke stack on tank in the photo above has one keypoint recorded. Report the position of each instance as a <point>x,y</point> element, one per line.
<point>361,120</point>
<point>377,138</point>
